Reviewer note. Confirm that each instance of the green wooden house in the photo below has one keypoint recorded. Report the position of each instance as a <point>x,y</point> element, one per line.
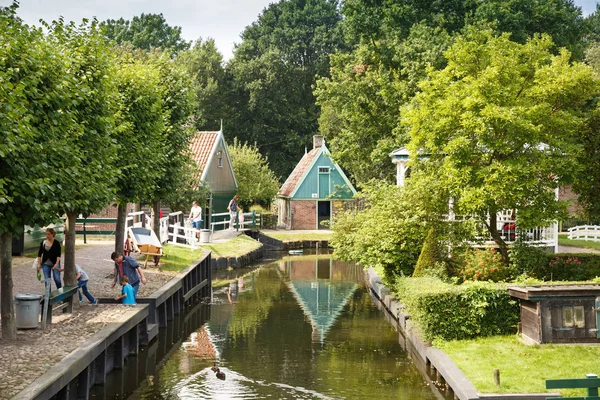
<point>214,169</point>
<point>315,190</point>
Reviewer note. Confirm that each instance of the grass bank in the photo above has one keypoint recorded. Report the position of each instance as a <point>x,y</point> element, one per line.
<point>523,369</point>
<point>238,246</point>
<point>178,258</point>
<point>298,237</point>
<point>564,240</point>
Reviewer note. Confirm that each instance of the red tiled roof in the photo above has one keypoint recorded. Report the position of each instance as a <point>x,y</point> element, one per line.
<point>295,177</point>
<point>201,145</point>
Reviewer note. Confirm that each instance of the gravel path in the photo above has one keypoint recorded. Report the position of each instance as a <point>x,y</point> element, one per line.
<point>94,258</point>
<point>35,351</point>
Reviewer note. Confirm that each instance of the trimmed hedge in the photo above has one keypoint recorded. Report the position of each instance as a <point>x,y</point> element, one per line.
<point>451,312</point>
<point>568,267</point>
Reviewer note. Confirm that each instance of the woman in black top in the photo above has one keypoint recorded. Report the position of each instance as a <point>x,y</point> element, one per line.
<point>49,253</point>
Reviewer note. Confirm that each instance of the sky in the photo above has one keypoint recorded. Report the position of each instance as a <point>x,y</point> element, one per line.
<point>223,20</point>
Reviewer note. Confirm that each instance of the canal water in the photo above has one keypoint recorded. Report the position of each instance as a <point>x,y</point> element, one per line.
<point>299,327</point>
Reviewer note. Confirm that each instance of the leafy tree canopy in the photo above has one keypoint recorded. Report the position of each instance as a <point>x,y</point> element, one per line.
<point>204,64</point>
<point>272,75</point>
<point>146,32</point>
<point>256,182</point>
<point>500,124</point>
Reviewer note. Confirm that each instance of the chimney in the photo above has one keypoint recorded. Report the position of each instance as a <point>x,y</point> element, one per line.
<point>317,141</point>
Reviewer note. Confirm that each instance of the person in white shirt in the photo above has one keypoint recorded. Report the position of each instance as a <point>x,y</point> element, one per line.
<point>196,215</point>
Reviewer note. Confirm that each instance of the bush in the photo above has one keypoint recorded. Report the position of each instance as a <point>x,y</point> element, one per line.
<point>482,265</point>
<point>454,312</point>
<point>568,267</point>
<point>526,259</point>
<point>430,260</point>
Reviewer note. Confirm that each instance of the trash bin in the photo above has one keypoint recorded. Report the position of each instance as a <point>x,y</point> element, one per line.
<point>205,235</point>
<point>27,310</point>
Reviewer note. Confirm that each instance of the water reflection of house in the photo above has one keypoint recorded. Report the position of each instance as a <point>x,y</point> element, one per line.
<point>322,288</point>
<point>207,343</point>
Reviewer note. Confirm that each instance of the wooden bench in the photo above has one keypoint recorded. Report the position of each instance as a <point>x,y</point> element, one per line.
<point>65,295</point>
<point>591,383</point>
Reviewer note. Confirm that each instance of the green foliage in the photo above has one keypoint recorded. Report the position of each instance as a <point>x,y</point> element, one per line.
<point>388,233</point>
<point>446,311</point>
<point>430,260</point>
<point>482,265</point>
<point>142,127</point>
<point>568,267</point>
<point>86,164</point>
<point>500,124</point>
<point>360,101</point>
<point>272,74</point>
<point>256,182</point>
<point>526,259</point>
<point>204,64</point>
<point>587,180</point>
<point>37,119</point>
<point>146,32</point>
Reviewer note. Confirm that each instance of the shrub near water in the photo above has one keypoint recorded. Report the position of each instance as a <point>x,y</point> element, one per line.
<point>449,312</point>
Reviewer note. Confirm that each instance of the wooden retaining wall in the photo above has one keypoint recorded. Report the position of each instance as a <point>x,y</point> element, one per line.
<point>273,244</point>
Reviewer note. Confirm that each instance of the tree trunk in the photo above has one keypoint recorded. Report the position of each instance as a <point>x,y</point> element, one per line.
<point>69,260</point>
<point>493,229</point>
<point>9,327</point>
<point>120,229</point>
<point>156,218</point>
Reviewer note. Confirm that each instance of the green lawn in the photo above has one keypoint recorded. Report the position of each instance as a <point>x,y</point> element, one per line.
<point>236,247</point>
<point>297,237</point>
<point>178,258</point>
<point>588,244</point>
<point>523,369</point>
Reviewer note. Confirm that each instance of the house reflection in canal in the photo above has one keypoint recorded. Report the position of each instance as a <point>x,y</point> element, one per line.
<point>322,287</point>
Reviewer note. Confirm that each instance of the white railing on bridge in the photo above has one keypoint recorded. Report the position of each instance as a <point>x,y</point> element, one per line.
<point>188,235</point>
<point>243,221</point>
<point>585,232</point>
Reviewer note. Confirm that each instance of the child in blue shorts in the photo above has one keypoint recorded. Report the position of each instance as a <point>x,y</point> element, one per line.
<point>127,293</point>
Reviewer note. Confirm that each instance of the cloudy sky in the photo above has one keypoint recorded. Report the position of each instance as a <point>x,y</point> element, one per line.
<point>222,20</point>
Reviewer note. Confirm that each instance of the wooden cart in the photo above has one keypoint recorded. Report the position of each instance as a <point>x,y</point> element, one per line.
<point>145,242</point>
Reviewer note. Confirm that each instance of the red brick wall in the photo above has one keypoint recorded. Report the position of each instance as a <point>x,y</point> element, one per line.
<point>107,212</point>
<point>304,214</point>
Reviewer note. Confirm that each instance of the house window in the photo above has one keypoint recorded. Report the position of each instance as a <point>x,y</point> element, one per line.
<point>567,314</point>
<point>220,159</point>
<point>323,170</point>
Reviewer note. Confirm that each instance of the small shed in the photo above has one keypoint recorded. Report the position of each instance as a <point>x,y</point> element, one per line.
<point>559,313</point>
<point>214,169</point>
<point>315,190</point>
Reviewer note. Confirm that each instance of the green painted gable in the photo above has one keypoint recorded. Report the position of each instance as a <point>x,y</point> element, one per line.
<point>324,180</point>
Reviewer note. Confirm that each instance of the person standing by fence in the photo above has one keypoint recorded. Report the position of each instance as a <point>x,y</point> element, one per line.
<point>233,209</point>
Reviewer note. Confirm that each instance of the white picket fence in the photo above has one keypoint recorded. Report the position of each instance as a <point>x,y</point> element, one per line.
<point>585,232</point>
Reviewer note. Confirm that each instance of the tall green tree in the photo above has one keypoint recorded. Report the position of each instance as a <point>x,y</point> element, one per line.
<point>36,94</point>
<point>87,166</point>
<point>272,74</point>
<point>360,102</point>
<point>146,32</point>
<point>178,102</point>
<point>256,182</point>
<point>500,123</point>
<point>204,64</point>
<point>141,136</point>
